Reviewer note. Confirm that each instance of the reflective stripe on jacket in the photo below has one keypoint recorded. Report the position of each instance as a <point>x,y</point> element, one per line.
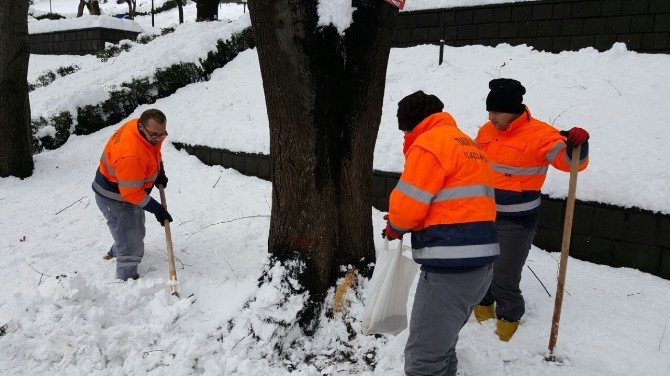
<point>128,166</point>
<point>520,157</point>
<point>445,198</point>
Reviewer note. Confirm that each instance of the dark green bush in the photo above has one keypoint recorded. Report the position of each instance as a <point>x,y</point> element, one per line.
<point>63,124</point>
<point>167,30</point>
<point>50,16</point>
<point>112,51</point>
<point>64,71</point>
<point>124,100</point>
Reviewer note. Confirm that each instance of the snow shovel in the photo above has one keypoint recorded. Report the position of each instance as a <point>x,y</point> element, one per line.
<point>172,274</point>
<point>565,250</point>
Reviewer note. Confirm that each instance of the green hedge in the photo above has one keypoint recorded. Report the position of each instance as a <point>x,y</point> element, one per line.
<point>48,77</point>
<point>124,100</point>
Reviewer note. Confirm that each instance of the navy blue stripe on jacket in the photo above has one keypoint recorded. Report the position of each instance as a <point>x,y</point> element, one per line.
<point>510,199</point>
<point>455,248</point>
<point>109,186</point>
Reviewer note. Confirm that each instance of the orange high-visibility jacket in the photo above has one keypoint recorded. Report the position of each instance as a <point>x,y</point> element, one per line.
<point>520,157</point>
<point>128,167</point>
<point>445,197</point>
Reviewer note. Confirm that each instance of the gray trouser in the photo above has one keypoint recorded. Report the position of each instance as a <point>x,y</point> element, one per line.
<point>515,242</point>
<point>126,223</point>
<point>442,305</point>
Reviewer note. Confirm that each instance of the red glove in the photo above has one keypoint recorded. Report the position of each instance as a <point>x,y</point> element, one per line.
<point>389,232</point>
<point>575,136</point>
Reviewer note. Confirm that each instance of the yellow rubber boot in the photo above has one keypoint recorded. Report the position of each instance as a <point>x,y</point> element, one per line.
<point>483,313</point>
<point>506,329</point>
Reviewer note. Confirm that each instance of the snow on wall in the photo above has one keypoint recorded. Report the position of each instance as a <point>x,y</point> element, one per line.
<point>439,4</point>
<point>84,22</point>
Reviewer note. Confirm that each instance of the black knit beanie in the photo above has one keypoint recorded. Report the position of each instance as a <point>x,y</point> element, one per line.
<point>506,96</point>
<point>415,107</point>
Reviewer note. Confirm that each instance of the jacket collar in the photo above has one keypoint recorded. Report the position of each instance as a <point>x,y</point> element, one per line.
<point>519,122</point>
<point>134,125</point>
<point>432,121</point>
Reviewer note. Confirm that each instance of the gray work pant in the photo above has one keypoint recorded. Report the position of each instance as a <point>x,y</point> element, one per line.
<point>515,242</point>
<point>442,305</point>
<point>126,223</point>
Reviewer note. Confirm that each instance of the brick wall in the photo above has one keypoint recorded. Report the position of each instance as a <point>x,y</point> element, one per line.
<point>76,42</point>
<point>603,234</point>
<point>547,25</point>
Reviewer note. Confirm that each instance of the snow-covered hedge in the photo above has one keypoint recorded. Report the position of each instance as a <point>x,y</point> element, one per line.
<point>52,132</point>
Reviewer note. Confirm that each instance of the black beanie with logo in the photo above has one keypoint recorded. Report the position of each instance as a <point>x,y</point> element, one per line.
<point>506,96</point>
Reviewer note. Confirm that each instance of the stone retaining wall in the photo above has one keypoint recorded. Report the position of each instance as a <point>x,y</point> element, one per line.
<point>603,234</point>
<point>547,25</point>
<point>77,42</point>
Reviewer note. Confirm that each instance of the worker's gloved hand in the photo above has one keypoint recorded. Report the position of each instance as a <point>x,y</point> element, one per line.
<point>390,234</point>
<point>161,179</point>
<point>162,215</point>
<point>575,136</point>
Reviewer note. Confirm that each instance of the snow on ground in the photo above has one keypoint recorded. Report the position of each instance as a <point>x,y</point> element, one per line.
<point>91,84</point>
<point>170,18</point>
<point>605,93</point>
<point>39,64</point>
<point>77,320</point>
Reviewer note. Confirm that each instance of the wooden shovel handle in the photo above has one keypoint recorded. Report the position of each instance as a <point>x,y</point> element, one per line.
<point>565,247</point>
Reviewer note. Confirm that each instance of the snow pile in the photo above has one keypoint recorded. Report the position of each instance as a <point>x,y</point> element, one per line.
<point>84,22</point>
<point>266,332</point>
<point>72,325</point>
<point>338,13</point>
<point>606,93</point>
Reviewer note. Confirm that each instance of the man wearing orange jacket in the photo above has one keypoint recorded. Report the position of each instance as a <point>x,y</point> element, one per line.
<point>129,167</point>
<point>445,199</point>
<point>520,149</point>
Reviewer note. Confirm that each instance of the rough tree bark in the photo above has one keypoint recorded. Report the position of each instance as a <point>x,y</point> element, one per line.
<point>15,144</point>
<point>92,6</point>
<point>324,96</point>
<point>132,5</point>
<point>180,8</point>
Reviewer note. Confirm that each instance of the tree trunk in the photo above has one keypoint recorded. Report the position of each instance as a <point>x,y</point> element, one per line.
<point>324,96</point>
<point>80,9</point>
<point>94,8</point>
<point>131,9</point>
<point>180,8</point>
<point>15,144</point>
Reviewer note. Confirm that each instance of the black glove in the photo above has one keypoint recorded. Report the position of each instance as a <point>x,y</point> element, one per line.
<point>161,179</point>
<point>162,215</point>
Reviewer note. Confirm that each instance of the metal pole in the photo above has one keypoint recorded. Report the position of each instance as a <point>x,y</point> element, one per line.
<point>441,51</point>
<point>50,11</point>
<point>152,13</point>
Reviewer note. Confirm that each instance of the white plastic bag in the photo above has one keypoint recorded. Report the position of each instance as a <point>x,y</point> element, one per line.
<point>386,298</point>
